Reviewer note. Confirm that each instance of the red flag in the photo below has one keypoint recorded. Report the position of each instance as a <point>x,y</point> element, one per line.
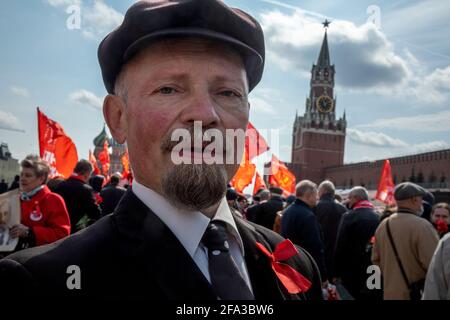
<point>56,147</point>
<point>259,183</point>
<point>385,192</point>
<point>103,158</point>
<point>281,176</point>
<point>93,161</point>
<point>125,165</point>
<point>254,142</point>
<point>244,175</point>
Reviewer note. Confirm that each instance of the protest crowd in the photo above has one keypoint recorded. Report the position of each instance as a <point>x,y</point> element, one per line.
<point>344,235</point>
<point>172,232</point>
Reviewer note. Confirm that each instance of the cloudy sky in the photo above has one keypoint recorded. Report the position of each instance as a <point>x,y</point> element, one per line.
<point>392,62</point>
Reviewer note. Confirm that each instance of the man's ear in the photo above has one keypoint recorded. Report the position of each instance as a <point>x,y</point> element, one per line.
<point>114,112</point>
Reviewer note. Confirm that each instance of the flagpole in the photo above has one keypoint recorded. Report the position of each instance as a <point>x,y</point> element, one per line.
<point>39,132</point>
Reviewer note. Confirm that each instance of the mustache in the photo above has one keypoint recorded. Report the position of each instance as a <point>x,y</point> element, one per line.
<point>206,138</point>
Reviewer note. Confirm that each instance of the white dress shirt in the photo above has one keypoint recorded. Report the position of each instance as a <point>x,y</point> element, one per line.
<point>189,227</point>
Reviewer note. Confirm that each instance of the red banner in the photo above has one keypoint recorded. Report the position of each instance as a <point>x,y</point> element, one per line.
<point>93,161</point>
<point>244,175</point>
<point>56,147</point>
<point>259,183</point>
<point>385,192</point>
<point>103,158</point>
<point>254,142</point>
<point>281,176</point>
<point>125,165</point>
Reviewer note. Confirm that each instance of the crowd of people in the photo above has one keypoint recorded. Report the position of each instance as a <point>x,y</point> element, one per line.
<point>347,234</point>
<point>178,233</point>
<point>52,209</point>
<point>344,235</point>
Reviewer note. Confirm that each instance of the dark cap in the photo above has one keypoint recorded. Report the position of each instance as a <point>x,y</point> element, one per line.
<point>407,190</point>
<point>231,194</point>
<point>276,190</point>
<point>148,21</point>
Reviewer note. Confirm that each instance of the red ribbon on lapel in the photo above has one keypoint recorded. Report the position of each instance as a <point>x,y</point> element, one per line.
<point>292,280</point>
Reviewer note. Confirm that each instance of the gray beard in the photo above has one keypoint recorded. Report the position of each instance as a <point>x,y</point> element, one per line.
<point>195,186</point>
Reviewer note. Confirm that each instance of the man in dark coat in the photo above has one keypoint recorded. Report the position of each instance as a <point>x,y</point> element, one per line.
<point>111,195</point>
<point>353,247</point>
<point>299,224</point>
<point>79,196</point>
<point>173,236</point>
<point>15,184</point>
<point>265,213</point>
<point>329,213</point>
<point>3,186</point>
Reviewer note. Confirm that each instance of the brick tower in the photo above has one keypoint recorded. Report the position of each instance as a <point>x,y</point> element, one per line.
<point>318,138</point>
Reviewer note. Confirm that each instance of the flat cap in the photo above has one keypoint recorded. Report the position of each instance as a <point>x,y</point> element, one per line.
<point>407,190</point>
<point>151,20</point>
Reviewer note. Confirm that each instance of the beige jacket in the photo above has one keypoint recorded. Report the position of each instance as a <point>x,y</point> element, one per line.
<point>415,240</point>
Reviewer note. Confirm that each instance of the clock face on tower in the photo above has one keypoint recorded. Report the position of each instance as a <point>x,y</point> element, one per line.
<point>324,104</point>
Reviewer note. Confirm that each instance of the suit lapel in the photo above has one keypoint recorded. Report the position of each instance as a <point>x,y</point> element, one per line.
<point>263,279</point>
<point>162,257</point>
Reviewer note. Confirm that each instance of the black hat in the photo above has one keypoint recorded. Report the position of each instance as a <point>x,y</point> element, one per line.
<point>147,21</point>
<point>407,190</point>
<point>276,190</point>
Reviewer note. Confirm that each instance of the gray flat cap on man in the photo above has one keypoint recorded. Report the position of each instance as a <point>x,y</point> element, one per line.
<point>407,190</point>
<point>148,21</point>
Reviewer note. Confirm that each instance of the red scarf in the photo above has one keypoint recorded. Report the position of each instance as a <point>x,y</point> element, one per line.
<point>291,279</point>
<point>363,204</point>
<point>77,177</point>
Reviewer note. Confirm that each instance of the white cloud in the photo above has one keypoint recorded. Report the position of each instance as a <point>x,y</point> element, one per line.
<point>63,3</point>
<point>427,147</point>
<point>365,59</point>
<point>261,105</point>
<point>425,18</point>
<point>392,147</point>
<point>434,87</point>
<point>8,121</point>
<point>374,139</point>
<point>96,20</point>
<point>85,97</point>
<point>435,122</point>
<point>99,19</point>
<point>19,91</point>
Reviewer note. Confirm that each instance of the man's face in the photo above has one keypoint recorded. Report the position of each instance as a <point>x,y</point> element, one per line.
<point>351,200</point>
<point>440,214</point>
<point>170,85</point>
<point>311,199</point>
<point>418,205</point>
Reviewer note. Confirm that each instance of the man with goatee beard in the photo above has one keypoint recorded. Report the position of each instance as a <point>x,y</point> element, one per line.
<point>168,66</point>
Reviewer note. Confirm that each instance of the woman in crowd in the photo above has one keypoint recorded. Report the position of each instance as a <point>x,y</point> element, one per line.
<point>44,217</point>
<point>440,217</point>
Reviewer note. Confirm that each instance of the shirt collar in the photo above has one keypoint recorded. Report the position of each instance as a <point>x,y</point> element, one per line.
<point>188,226</point>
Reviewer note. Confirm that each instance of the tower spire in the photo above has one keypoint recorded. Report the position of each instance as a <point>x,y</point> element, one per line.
<point>324,55</point>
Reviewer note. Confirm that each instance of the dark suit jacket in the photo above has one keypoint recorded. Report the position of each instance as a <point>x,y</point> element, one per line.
<point>80,200</point>
<point>265,213</point>
<point>352,253</point>
<point>329,214</point>
<point>299,224</point>
<point>133,254</point>
<point>111,196</point>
